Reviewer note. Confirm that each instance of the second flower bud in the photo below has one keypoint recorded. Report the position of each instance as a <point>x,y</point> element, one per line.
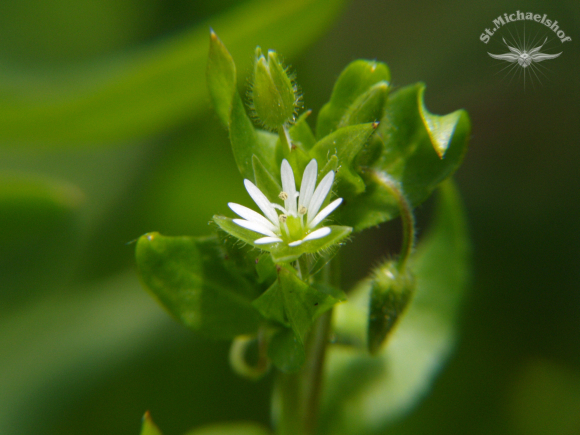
<point>274,95</point>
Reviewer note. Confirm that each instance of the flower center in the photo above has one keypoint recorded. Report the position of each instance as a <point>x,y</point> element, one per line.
<point>292,229</point>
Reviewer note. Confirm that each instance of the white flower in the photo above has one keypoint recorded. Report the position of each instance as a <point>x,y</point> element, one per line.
<point>300,214</point>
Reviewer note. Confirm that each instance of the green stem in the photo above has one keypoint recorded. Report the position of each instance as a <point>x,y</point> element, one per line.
<point>407,217</point>
<point>299,393</point>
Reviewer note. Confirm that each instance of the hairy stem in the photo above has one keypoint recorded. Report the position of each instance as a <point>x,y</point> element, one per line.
<point>407,217</point>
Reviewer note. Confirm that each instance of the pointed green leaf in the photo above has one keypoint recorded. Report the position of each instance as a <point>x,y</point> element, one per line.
<point>221,78</point>
<point>389,384</point>
<point>356,79</point>
<point>148,427</point>
<point>345,143</point>
<point>189,278</point>
<point>243,136</point>
<point>238,428</point>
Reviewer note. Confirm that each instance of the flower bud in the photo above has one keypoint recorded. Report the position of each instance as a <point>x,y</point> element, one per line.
<point>274,96</point>
<point>391,292</point>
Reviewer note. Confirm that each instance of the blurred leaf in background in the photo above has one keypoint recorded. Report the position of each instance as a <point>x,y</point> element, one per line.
<point>105,135</point>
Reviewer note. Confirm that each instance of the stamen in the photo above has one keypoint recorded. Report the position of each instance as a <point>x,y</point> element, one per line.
<point>302,210</point>
<point>283,218</point>
<point>283,196</point>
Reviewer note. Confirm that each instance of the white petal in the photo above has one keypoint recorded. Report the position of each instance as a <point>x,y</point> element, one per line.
<point>325,212</point>
<point>320,195</point>
<point>255,226</point>
<point>318,234</point>
<point>261,201</point>
<point>251,215</point>
<point>296,243</point>
<point>266,240</point>
<point>288,186</point>
<point>308,184</point>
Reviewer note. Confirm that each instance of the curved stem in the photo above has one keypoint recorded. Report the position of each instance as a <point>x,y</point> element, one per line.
<point>407,217</point>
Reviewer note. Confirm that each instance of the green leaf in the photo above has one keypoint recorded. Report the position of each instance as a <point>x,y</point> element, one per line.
<point>439,128</point>
<point>148,427</point>
<point>368,107</point>
<point>188,276</point>
<point>155,87</point>
<point>392,382</point>
<point>286,351</point>
<point>271,305</point>
<point>409,157</point>
<point>239,428</point>
<point>292,302</point>
<point>347,96</point>
<point>345,143</point>
<point>221,78</point>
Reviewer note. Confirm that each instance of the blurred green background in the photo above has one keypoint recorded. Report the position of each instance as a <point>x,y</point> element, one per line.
<point>106,132</point>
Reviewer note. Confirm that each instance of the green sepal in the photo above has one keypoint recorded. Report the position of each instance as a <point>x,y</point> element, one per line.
<point>286,351</point>
<point>189,278</point>
<point>148,427</point>
<point>281,252</point>
<point>391,292</point>
<point>301,133</point>
<point>245,140</point>
<point>354,81</point>
<point>345,143</point>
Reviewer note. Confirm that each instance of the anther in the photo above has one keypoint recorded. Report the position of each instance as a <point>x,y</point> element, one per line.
<point>282,218</point>
<point>283,196</point>
<point>302,210</point>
